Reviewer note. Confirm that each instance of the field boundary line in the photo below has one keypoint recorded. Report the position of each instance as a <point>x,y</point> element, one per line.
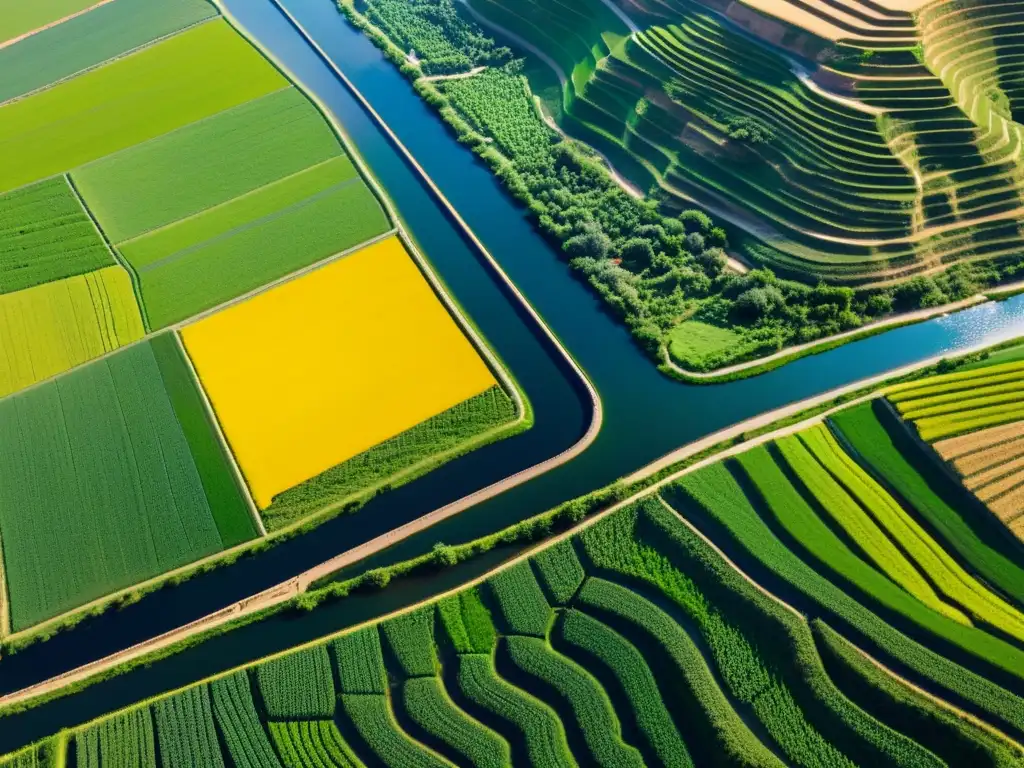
<point>211,415</point>
<point>105,62</point>
<point>316,265</point>
<point>118,259</point>
<point>56,23</point>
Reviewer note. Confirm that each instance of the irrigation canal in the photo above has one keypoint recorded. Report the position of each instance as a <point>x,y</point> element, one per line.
<point>645,414</point>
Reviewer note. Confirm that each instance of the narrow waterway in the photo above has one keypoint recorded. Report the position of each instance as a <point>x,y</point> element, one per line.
<point>646,414</point>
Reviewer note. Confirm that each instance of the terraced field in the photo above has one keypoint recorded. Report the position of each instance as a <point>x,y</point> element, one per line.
<point>973,421</point>
<point>810,126</point>
<point>637,641</point>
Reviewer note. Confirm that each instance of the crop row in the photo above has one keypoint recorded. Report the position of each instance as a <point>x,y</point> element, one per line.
<point>560,571</point>
<point>299,685</point>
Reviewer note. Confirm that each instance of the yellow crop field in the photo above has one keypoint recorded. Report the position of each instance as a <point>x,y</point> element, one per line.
<point>183,79</point>
<point>49,328</point>
<point>324,367</point>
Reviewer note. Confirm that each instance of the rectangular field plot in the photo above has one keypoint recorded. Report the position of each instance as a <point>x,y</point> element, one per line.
<point>45,234</point>
<point>98,485</point>
<point>91,39</point>
<point>206,164</point>
<point>18,17</point>
<point>52,327</point>
<point>223,252</point>
<point>183,79</point>
<point>308,374</point>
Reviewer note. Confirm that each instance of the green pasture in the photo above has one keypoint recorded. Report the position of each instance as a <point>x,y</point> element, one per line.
<point>692,342</point>
<point>92,39</point>
<point>183,79</point>
<point>98,487</point>
<point>207,164</point>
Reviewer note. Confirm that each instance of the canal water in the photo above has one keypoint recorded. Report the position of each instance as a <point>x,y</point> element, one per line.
<point>645,414</point>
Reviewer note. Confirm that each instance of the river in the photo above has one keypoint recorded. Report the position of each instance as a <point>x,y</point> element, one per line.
<point>645,414</point>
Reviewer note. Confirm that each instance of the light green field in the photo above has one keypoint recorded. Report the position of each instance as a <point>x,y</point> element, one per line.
<point>46,235</point>
<point>98,488</point>
<point>52,327</point>
<point>692,341</point>
<point>20,16</point>
<point>186,78</point>
<point>222,253</point>
<point>206,164</point>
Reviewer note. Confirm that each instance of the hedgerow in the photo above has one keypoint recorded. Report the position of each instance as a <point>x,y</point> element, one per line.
<point>428,704</point>
<point>298,685</point>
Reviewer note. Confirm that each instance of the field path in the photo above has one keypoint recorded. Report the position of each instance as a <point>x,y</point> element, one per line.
<point>52,24</point>
<point>456,76</point>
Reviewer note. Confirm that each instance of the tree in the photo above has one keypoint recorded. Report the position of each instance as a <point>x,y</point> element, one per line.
<point>758,303</point>
<point>636,253</point>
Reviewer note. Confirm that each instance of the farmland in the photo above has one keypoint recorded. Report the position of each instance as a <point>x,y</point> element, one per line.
<point>199,72</point>
<point>98,477</point>
<point>56,326</point>
<point>850,162</point>
<point>304,397</point>
<point>20,18</point>
<point>91,39</point>
<point>636,642</point>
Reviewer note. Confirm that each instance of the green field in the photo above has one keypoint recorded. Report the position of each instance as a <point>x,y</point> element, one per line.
<point>91,39</point>
<point>186,78</point>
<point>247,255</point>
<point>98,487</point>
<point>206,164</point>
<point>20,18</point>
<point>46,235</point>
<point>642,646</point>
<point>52,327</point>
<point>692,342</point>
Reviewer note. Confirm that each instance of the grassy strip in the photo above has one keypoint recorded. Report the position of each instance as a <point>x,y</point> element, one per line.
<point>560,572</point>
<point>713,729</point>
<point>859,526</point>
<point>729,518</point>
<point>410,638</point>
<point>521,602</point>
<point>524,720</point>
<point>902,466</point>
<point>582,701</point>
<point>299,685</point>
<point>381,736</point>
<point>600,646</point>
<point>185,732</point>
<point>312,744</point>
<point>239,722</point>
<point>223,492</point>
<point>438,435</point>
<point>429,706</point>
<point>952,737</point>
